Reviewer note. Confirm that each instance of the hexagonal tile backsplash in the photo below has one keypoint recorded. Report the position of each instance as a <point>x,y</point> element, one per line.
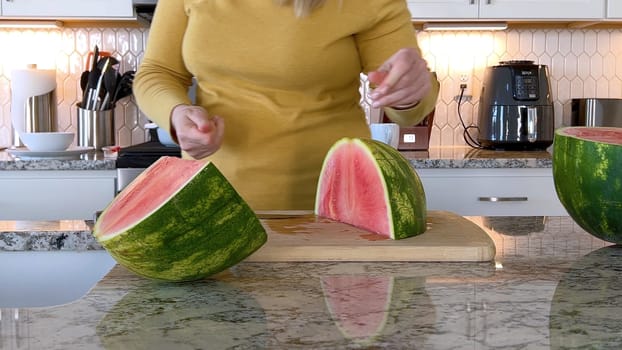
<point>582,63</point>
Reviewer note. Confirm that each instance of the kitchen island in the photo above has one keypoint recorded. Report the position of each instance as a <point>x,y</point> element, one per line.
<point>550,286</point>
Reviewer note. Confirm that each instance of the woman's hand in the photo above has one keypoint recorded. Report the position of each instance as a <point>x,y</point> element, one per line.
<point>198,134</point>
<point>402,81</point>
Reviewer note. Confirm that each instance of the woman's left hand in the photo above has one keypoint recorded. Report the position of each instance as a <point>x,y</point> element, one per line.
<point>402,81</point>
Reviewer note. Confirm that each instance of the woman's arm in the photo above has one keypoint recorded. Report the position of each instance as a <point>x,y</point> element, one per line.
<point>162,80</point>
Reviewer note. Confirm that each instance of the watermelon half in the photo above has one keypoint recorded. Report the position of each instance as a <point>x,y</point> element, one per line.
<point>180,220</point>
<point>370,185</point>
<point>587,171</point>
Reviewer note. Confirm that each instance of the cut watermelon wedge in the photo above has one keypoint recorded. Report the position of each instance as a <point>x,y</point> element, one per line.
<point>370,185</point>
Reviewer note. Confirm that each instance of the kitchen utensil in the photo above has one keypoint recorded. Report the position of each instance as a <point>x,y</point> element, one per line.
<point>92,80</point>
<point>124,86</point>
<point>110,85</point>
<point>107,59</point>
<point>449,237</point>
<point>96,102</point>
<point>516,108</point>
<point>84,81</point>
<point>92,60</point>
<point>91,55</point>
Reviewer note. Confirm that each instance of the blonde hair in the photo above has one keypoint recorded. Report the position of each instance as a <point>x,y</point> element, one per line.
<point>302,8</point>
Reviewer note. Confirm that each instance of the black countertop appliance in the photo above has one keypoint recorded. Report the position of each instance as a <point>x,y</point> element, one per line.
<point>515,107</point>
<point>133,160</point>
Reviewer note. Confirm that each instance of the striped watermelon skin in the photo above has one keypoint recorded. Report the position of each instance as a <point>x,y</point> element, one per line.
<point>203,229</point>
<point>588,180</point>
<point>404,193</point>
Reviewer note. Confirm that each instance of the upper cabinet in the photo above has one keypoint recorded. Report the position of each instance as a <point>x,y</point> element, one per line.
<point>614,9</point>
<point>67,9</point>
<point>443,9</point>
<point>423,10</point>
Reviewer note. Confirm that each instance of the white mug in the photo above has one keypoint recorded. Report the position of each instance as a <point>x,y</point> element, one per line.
<point>388,133</point>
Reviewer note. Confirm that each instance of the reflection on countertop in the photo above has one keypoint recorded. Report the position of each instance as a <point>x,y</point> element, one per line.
<point>552,286</point>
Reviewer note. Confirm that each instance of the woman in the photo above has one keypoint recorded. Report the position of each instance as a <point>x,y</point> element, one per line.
<point>284,77</point>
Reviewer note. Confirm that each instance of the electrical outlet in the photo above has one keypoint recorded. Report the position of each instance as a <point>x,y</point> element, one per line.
<point>464,83</point>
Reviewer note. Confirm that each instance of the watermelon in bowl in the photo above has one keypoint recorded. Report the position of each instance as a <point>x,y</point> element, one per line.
<point>587,171</point>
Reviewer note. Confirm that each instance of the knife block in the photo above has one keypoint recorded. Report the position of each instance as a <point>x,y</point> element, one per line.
<point>415,137</point>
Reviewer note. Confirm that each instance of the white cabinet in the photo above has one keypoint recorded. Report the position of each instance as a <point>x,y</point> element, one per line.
<point>55,195</point>
<point>506,9</point>
<point>614,9</point>
<point>60,9</point>
<point>492,192</point>
<point>449,9</point>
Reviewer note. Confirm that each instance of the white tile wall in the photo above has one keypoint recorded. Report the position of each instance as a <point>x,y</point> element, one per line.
<point>582,63</point>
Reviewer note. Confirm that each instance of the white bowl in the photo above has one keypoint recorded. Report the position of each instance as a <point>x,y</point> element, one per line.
<point>47,141</point>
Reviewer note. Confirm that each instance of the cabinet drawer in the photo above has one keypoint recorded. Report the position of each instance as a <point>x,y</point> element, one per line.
<point>492,192</point>
<point>55,195</point>
<point>68,9</point>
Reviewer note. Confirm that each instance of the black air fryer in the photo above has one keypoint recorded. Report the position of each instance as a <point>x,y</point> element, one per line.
<point>515,107</point>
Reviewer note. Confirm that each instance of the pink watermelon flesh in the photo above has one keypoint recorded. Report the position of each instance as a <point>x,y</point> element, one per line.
<point>356,181</point>
<point>139,199</point>
<point>600,134</point>
<point>358,304</point>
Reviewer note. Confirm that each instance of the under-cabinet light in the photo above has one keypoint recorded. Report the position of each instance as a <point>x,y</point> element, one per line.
<point>30,24</point>
<point>465,26</point>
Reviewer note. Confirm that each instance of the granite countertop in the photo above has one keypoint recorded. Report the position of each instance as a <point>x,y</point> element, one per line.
<point>467,157</point>
<point>435,157</point>
<point>551,286</point>
<point>86,161</point>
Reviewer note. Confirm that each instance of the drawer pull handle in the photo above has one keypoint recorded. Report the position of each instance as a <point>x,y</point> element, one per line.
<point>502,199</point>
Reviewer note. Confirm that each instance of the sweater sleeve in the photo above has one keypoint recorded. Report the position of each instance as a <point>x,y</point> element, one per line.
<point>162,80</point>
<point>391,32</point>
<point>415,115</point>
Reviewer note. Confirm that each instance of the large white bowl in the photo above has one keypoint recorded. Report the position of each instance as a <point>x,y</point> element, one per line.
<point>47,141</point>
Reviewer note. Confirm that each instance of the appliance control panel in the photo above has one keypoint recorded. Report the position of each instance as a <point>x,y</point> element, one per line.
<point>526,85</point>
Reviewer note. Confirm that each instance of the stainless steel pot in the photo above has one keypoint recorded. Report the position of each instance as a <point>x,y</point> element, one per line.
<point>596,112</point>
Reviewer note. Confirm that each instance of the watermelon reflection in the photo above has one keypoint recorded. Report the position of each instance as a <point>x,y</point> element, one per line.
<point>203,315</point>
<point>256,308</point>
<point>585,306</point>
<point>370,310</point>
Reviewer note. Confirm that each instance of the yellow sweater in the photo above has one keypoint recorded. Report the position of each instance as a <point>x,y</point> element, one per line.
<point>287,88</point>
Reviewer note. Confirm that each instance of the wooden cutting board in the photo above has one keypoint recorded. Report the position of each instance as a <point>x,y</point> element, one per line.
<point>305,237</point>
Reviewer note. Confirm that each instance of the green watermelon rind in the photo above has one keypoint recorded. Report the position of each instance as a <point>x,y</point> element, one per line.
<point>403,190</point>
<point>203,229</point>
<point>588,182</point>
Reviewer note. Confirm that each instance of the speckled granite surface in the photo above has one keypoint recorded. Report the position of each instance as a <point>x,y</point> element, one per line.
<point>438,157</point>
<point>467,157</point>
<point>47,236</point>
<point>87,161</point>
<point>553,286</point>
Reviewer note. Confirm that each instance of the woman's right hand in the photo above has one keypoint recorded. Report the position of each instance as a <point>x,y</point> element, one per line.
<point>198,134</point>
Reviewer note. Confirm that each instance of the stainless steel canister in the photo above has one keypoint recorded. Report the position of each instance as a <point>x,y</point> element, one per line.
<point>596,112</point>
<point>39,115</point>
<point>95,128</point>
